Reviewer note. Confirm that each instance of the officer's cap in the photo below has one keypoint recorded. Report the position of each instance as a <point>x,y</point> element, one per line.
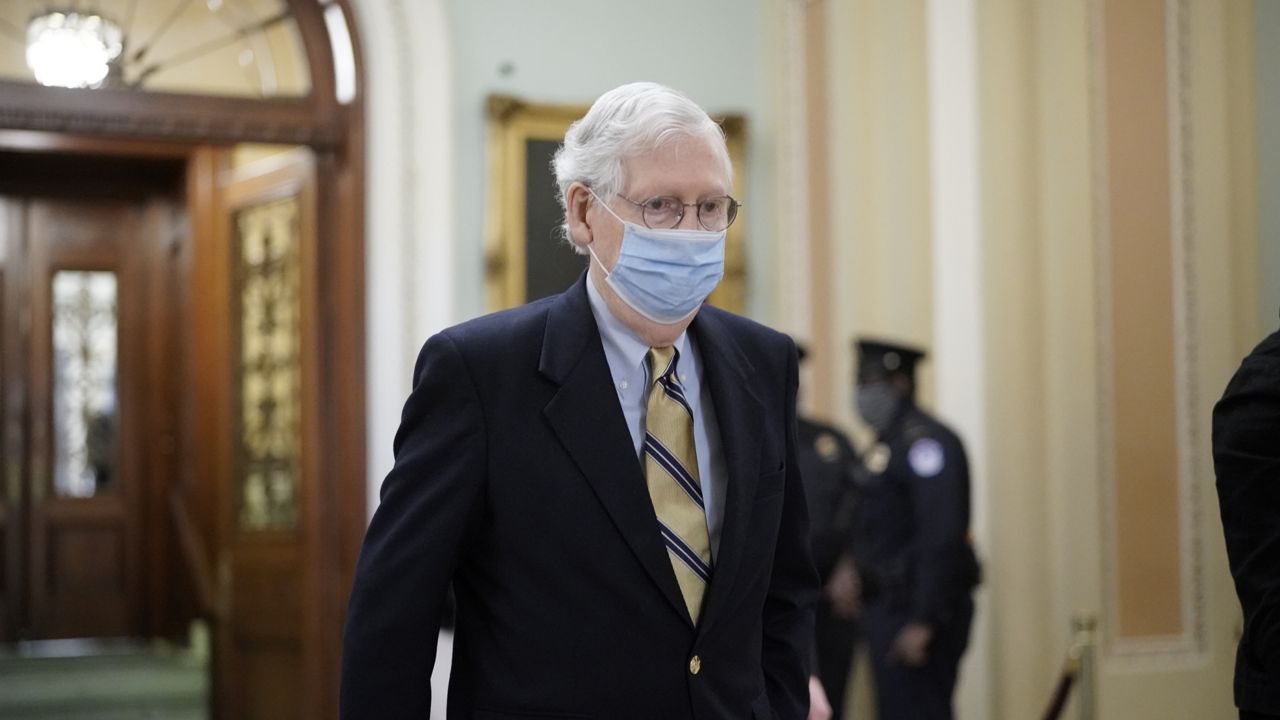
<point>879,359</point>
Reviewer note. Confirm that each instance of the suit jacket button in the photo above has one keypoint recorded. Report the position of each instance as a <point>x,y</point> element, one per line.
<point>695,665</point>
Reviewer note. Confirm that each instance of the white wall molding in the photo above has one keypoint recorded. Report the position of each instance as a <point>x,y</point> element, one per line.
<point>794,265</point>
<point>959,332</point>
<point>408,221</point>
<point>1186,332</point>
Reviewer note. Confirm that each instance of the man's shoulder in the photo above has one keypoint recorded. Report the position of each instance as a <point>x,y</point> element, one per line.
<point>1258,374</point>
<point>1266,355</point>
<point>920,427</point>
<point>1269,347</point>
<point>502,328</point>
<point>749,333</point>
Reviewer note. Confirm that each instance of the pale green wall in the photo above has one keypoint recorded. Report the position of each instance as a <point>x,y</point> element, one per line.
<point>1267,59</point>
<point>571,51</point>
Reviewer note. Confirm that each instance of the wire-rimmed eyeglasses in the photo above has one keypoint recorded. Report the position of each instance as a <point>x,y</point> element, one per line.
<point>663,212</point>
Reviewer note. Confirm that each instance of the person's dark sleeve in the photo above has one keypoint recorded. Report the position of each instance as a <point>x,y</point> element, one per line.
<point>430,500</point>
<point>1246,455</point>
<point>793,587</point>
<point>846,515</point>
<point>941,515</point>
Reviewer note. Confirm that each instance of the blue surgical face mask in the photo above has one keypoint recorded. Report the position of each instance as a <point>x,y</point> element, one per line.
<point>665,275</point>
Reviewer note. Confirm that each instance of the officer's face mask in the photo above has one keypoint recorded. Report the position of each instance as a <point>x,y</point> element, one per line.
<point>664,275</point>
<point>878,403</point>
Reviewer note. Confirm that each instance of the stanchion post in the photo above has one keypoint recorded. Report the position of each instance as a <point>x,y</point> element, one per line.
<point>1084,627</point>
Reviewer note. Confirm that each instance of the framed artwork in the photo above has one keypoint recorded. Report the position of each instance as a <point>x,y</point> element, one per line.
<point>526,255</point>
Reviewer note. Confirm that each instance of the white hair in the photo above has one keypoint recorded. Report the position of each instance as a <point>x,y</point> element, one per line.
<point>627,121</point>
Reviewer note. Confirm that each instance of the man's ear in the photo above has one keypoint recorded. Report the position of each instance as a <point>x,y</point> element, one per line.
<point>577,201</point>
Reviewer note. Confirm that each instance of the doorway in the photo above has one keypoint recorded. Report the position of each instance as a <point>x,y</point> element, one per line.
<point>257,537</point>
<point>163,393</point>
<point>86,355</point>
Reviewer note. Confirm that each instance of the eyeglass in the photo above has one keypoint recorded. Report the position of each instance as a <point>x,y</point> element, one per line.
<point>663,212</point>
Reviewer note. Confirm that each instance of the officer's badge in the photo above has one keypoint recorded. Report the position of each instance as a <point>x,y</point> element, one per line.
<point>877,458</point>
<point>926,457</point>
<point>827,447</point>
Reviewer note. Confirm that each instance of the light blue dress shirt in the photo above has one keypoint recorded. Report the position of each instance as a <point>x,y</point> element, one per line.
<point>625,353</point>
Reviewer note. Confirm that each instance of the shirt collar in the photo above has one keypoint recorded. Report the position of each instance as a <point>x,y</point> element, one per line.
<point>623,348</point>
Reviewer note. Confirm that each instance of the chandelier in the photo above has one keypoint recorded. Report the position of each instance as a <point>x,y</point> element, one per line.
<point>74,49</point>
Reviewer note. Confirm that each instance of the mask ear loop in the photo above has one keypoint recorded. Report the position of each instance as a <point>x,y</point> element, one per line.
<point>604,205</point>
<point>597,259</point>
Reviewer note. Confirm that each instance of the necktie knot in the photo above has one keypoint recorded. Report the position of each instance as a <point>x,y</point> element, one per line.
<point>662,362</point>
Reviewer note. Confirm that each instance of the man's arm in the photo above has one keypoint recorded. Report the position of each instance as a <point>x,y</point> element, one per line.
<point>793,588</point>
<point>430,500</point>
<point>843,590</point>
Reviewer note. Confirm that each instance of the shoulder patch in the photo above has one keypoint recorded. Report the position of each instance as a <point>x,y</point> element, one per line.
<point>926,457</point>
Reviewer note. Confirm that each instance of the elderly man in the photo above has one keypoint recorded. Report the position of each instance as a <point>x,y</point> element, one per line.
<point>608,477</point>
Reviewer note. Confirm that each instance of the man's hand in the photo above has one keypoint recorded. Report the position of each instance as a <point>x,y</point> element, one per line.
<point>819,707</point>
<point>844,589</point>
<point>911,647</point>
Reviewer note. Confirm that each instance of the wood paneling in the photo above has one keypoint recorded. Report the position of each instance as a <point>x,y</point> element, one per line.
<point>341,488</point>
<point>13,389</point>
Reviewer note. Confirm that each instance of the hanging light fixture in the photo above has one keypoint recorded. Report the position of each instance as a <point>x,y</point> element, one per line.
<point>71,48</point>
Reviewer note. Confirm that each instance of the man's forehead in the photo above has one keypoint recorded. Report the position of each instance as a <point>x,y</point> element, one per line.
<point>678,166</point>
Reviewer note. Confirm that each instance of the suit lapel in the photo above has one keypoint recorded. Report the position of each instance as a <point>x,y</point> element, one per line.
<point>740,415</point>
<point>586,417</point>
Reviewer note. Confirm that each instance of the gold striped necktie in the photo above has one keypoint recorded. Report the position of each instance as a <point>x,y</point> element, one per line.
<point>671,472</point>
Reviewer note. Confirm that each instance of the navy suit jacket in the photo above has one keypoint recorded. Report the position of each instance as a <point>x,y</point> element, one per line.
<point>1246,456</point>
<point>516,479</point>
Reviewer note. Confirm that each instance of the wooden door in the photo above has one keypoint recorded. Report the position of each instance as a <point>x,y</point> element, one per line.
<point>84,474</point>
<point>85,417</point>
<point>263,425</point>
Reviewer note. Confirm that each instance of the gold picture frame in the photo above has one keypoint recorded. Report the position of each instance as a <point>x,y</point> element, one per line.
<point>522,260</point>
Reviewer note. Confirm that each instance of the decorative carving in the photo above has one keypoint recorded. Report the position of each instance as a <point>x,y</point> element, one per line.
<point>164,116</point>
<point>268,321</point>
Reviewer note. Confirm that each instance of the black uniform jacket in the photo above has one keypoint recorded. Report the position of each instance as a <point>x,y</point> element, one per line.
<point>516,478</point>
<point>911,542</point>
<point>827,460</point>
<point>1246,456</point>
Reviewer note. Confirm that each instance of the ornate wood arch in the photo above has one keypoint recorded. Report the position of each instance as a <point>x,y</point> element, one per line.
<point>317,120</point>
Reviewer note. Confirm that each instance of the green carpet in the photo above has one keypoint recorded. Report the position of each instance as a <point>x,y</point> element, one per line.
<point>119,683</point>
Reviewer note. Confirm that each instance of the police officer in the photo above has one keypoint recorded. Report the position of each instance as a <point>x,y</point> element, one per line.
<point>910,543</point>
<point>826,465</point>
